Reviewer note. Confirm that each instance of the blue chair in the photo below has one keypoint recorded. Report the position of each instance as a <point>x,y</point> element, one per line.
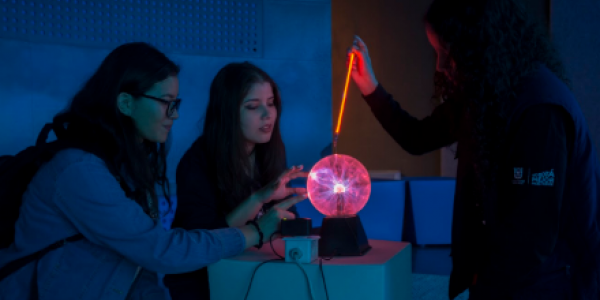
<point>430,203</point>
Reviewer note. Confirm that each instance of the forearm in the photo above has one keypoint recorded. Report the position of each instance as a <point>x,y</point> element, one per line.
<point>413,135</point>
<point>90,198</point>
<point>251,235</point>
<point>244,212</point>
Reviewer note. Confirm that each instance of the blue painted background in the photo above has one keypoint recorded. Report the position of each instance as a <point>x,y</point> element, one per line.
<point>574,29</point>
<point>38,79</point>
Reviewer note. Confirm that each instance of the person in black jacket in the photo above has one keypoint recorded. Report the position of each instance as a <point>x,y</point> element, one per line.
<point>525,223</point>
<point>240,151</point>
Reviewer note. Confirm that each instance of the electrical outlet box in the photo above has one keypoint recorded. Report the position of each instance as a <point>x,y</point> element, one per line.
<point>302,249</point>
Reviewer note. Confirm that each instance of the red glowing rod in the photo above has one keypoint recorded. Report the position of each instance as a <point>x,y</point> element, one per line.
<point>339,124</point>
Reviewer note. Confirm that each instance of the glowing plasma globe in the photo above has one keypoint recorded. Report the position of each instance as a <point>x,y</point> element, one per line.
<point>338,185</point>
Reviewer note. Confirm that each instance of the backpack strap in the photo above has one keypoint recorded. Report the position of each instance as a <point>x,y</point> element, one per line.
<point>21,262</point>
<point>43,135</point>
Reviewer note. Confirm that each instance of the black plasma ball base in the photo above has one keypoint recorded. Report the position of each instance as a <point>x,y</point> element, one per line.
<point>343,236</point>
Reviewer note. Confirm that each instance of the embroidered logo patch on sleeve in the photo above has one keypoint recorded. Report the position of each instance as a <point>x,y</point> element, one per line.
<point>518,176</point>
<point>543,178</point>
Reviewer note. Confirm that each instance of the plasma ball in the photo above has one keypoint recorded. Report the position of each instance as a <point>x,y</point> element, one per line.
<point>338,185</point>
<point>339,188</point>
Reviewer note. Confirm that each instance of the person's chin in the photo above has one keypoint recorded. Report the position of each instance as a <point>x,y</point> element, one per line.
<point>162,138</point>
<point>262,140</point>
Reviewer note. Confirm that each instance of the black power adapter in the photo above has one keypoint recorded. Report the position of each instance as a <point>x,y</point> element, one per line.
<point>296,227</point>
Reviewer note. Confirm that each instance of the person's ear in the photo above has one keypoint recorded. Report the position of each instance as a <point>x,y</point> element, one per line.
<point>125,104</point>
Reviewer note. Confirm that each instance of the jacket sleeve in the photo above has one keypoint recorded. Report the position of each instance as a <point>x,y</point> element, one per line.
<point>90,197</point>
<point>414,135</point>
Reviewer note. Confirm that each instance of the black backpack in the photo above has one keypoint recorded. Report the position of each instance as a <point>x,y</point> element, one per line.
<point>16,172</point>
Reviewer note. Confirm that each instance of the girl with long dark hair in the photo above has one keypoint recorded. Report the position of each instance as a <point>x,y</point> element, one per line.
<point>240,151</point>
<point>526,214</point>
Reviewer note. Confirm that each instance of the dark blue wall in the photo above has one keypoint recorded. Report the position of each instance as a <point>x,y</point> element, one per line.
<point>40,73</point>
<point>575,28</point>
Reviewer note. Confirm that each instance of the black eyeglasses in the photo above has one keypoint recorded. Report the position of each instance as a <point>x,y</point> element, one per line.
<point>173,105</point>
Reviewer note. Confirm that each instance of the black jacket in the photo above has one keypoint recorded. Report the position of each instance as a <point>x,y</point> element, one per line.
<point>546,191</point>
<point>199,206</point>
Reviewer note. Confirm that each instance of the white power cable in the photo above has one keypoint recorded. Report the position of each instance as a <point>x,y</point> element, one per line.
<point>295,254</point>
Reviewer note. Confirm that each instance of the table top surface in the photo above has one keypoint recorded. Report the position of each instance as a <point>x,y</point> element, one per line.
<point>379,254</point>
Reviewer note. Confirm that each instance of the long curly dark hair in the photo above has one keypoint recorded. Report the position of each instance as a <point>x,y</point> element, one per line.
<point>93,119</point>
<point>224,140</point>
<point>494,45</point>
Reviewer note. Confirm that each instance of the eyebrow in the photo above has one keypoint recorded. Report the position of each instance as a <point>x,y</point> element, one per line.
<point>169,95</point>
<point>256,99</point>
